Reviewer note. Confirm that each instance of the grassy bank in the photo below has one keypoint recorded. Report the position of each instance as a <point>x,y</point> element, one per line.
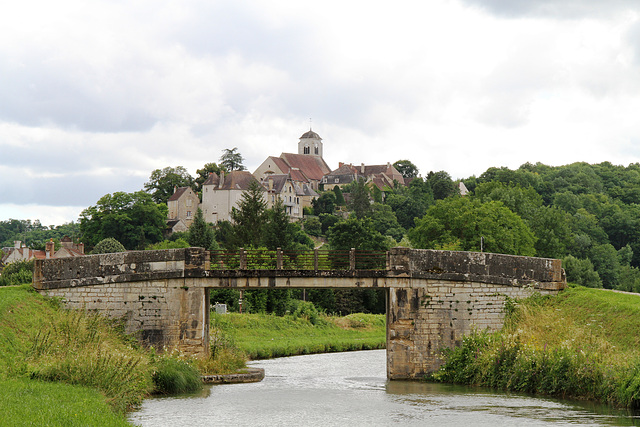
<point>74,364</point>
<point>263,336</point>
<point>583,344</point>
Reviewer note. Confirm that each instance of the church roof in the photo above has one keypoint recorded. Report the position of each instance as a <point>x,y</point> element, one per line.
<point>310,134</point>
<point>313,167</point>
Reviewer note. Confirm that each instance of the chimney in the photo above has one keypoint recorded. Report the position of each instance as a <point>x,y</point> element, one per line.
<point>221,179</point>
<point>175,188</point>
<point>362,168</point>
<point>49,249</point>
<point>81,248</point>
<point>388,165</point>
<point>16,244</point>
<point>270,184</point>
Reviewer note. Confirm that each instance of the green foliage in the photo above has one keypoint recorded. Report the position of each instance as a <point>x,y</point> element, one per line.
<point>201,235</point>
<point>162,182</point>
<point>385,222</point>
<point>463,221</point>
<point>406,168</point>
<point>133,219</point>
<point>328,221</point>
<point>359,202</point>
<point>17,273</point>
<point>231,160</point>
<point>339,201</point>
<point>581,271</point>
<point>169,244</point>
<point>325,204</point>
<point>278,231</point>
<point>174,374</point>
<point>33,234</point>
<point>250,217</point>
<point>108,246</point>
<point>313,226</point>
<point>356,233</point>
<point>305,310</point>
<point>441,184</point>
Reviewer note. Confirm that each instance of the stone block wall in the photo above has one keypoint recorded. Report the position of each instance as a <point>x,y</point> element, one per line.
<point>432,315</point>
<point>163,313</point>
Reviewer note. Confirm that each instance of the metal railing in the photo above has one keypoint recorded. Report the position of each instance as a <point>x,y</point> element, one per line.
<point>258,259</point>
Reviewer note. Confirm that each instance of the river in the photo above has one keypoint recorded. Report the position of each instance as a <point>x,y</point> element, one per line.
<point>344,389</point>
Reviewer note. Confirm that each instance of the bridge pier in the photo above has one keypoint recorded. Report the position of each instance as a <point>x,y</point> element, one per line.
<point>434,297</point>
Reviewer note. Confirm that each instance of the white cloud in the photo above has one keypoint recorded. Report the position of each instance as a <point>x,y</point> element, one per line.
<point>96,96</point>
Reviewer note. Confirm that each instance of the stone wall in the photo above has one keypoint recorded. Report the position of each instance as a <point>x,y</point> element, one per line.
<point>447,295</point>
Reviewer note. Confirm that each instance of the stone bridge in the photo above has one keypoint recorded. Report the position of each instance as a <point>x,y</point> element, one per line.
<point>434,298</point>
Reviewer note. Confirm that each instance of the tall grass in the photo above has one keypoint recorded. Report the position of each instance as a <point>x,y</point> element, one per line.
<point>581,344</point>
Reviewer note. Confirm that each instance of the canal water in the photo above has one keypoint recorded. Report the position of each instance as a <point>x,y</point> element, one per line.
<point>351,389</point>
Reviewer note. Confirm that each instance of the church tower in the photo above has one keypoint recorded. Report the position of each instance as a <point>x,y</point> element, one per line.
<point>310,143</point>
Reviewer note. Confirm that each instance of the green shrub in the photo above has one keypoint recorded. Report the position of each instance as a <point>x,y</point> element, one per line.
<point>175,375</point>
<point>305,310</point>
<point>17,273</point>
<point>108,246</point>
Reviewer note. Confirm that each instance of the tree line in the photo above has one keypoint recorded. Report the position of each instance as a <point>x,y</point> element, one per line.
<point>588,215</point>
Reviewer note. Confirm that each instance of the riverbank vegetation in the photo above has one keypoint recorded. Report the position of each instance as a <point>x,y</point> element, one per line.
<point>262,336</point>
<point>43,347</point>
<point>580,344</point>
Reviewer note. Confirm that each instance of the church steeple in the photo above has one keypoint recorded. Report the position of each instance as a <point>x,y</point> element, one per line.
<point>310,143</point>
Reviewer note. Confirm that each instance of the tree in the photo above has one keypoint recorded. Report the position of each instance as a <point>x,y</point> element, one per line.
<point>462,222</point>
<point>339,197</point>
<point>203,174</point>
<point>441,184</point>
<point>279,232</point>
<point>231,160</point>
<point>200,234</point>
<point>406,168</point>
<point>359,202</point>
<point>131,218</point>
<point>108,246</point>
<point>357,233</point>
<point>325,204</point>
<point>162,182</point>
<point>581,271</point>
<point>385,222</point>
<point>250,217</point>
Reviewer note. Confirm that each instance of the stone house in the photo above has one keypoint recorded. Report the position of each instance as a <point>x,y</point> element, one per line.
<point>19,251</point>
<point>182,206</point>
<point>379,175</point>
<point>221,193</point>
<point>295,196</point>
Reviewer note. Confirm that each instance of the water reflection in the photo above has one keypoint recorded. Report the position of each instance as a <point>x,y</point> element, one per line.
<point>351,389</point>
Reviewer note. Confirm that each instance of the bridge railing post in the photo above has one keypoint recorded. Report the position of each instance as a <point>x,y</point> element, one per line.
<point>352,259</point>
<point>279,258</point>
<point>315,259</point>
<point>243,259</point>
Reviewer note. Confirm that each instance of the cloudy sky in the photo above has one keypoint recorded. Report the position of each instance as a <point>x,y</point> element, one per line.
<point>94,95</point>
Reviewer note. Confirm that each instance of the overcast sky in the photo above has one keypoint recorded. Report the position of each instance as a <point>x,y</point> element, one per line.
<point>94,95</point>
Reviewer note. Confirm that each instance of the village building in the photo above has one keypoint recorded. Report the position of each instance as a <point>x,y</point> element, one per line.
<point>221,193</point>
<point>305,167</point>
<point>295,196</point>
<point>182,206</point>
<point>19,251</point>
<point>382,176</point>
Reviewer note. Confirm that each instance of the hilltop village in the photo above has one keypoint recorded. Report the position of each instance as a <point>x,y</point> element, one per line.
<point>293,178</point>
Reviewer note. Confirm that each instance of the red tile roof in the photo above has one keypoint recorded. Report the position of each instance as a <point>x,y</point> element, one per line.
<point>314,167</point>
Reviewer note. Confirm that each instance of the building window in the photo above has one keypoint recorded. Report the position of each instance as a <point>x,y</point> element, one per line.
<point>337,180</point>
<point>307,150</point>
<point>188,214</point>
<point>316,149</point>
<point>189,202</point>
